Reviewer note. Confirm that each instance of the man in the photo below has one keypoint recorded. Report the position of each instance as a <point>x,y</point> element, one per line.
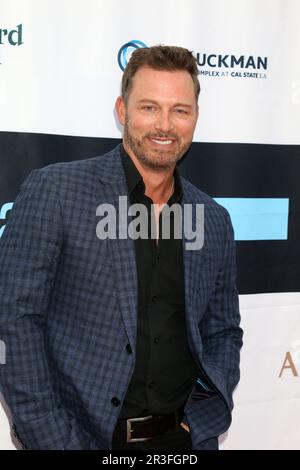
<point>118,342</point>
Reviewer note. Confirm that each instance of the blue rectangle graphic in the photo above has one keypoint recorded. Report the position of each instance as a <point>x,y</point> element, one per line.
<point>258,218</point>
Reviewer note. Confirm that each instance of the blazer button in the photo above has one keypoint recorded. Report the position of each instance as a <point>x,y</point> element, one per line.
<point>129,349</point>
<point>115,401</point>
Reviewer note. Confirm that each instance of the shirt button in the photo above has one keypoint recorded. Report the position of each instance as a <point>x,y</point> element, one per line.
<point>154,298</point>
<point>115,401</point>
<point>158,256</point>
<point>156,340</point>
<point>150,385</point>
<point>129,349</point>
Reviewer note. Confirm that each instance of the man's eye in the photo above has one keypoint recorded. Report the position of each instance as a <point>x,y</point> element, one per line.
<point>149,108</point>
<point>180,111</point>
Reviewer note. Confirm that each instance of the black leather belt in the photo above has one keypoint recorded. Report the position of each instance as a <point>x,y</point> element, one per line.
<point>146,427</point>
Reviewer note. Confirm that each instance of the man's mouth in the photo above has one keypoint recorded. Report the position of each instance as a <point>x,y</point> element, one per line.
<point>160,141</point>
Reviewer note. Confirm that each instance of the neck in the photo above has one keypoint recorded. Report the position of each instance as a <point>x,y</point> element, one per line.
<point>158,182</point>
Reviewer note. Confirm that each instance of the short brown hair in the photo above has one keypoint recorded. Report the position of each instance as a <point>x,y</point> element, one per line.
<point>160,57</point>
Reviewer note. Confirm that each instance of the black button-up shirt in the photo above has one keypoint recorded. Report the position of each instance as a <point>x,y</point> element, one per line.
<point>165,371</point>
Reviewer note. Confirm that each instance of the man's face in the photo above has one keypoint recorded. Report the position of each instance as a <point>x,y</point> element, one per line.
<point>159,117</point>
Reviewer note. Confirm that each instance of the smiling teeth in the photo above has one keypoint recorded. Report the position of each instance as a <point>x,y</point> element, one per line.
<point>162,142</point>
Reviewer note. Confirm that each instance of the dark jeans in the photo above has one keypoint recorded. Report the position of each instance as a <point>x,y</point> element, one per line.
<point>177,439</point>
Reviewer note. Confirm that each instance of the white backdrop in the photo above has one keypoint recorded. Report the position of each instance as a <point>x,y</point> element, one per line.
<point>64,79</point>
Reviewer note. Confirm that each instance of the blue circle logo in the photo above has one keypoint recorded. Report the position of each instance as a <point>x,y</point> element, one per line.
<point>126,50</point>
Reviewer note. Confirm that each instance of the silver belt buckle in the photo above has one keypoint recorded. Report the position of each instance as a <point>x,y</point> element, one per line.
<point>129,430</point>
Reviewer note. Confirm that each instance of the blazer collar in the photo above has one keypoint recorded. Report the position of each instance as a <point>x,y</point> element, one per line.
<point>109,167</point>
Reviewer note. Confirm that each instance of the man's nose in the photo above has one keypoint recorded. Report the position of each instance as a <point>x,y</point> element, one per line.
<point>164,121</point>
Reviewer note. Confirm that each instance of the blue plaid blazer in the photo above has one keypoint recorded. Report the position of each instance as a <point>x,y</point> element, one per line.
<point>68,309</point>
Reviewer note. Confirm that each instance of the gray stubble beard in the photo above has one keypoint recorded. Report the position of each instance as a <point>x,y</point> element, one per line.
<point>136,147</point>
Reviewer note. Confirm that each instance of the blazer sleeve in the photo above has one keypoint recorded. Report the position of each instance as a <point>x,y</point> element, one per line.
<point>220,330</point>
<point>29,254</point>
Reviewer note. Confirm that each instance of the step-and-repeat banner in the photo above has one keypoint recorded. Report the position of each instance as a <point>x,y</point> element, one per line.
<point>61,63</point>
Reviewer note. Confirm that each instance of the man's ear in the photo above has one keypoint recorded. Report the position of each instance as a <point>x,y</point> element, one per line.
<point>120,109</point>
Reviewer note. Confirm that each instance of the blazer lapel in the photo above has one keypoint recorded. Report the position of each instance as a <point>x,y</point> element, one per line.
<point>122,250</point>
<point>194,279</point>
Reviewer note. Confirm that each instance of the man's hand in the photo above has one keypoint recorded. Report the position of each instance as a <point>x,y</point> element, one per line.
<point>185,426</point>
